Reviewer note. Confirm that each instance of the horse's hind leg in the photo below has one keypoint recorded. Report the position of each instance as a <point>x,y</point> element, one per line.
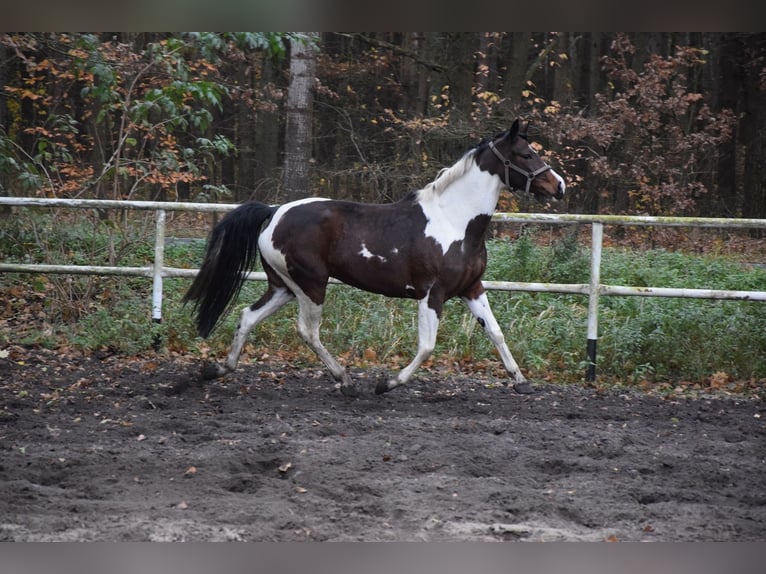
<point>268,304</point>
<point>480,308</point>
<point>428,325</point>
<point>309,320</point>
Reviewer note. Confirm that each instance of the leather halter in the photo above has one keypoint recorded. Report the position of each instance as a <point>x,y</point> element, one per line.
<point>530,175</point>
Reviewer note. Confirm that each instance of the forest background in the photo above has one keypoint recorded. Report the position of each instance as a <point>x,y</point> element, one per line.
<point>638,123</point>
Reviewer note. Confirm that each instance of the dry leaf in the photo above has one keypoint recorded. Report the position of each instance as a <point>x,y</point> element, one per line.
<point>370,354</point>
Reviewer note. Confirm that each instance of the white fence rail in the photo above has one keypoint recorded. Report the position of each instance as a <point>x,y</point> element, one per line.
<point>594,289</point>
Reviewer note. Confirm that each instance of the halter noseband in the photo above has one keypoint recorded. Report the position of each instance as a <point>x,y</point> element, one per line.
<point>530,175</point>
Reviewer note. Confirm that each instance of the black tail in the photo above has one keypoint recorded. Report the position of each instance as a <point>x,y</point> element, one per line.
<point>231,253</point>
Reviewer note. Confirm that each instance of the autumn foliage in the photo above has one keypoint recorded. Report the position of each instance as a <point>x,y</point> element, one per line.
<point>643,129</point>
<point>111,119</point>
<point>652,142</point>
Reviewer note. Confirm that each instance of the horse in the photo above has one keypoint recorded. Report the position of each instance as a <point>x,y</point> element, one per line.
<point>428,246</point>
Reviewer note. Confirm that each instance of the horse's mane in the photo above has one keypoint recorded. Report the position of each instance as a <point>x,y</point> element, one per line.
<point>448,175</point>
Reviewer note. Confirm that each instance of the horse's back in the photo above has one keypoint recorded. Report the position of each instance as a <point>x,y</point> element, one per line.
<point>331,223</point>
<point>375,247</point>
<point>381,248</point>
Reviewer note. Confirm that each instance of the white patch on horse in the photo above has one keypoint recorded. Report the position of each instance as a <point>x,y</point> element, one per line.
<point>266,240</point>
<point>367,254</point>
<point>475,191</point>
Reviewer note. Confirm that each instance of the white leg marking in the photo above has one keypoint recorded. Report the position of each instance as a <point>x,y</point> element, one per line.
<point>249,319</point>
<point>309,320</point>
<point>483,313</point>
<point>428,325</point>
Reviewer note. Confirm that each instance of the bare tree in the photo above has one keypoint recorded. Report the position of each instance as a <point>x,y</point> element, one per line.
<point>298,132</point>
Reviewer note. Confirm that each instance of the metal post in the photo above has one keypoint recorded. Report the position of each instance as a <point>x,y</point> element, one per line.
<point>159,263</point>
<point>595,282</point>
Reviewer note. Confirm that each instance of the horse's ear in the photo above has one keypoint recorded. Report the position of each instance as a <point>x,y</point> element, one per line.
<point>514,129</point>
<point>525,133</point>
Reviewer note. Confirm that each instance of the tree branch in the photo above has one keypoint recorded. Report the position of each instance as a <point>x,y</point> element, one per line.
<point>398,50</point>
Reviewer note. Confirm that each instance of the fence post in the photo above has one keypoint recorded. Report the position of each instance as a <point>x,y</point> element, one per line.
<point>159,263</point>
<point>595,283</point>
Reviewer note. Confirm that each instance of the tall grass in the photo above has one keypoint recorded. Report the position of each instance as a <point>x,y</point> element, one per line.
<point>653,339</point>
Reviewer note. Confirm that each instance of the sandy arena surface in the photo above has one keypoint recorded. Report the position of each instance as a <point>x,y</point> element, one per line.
<point>133,449</point>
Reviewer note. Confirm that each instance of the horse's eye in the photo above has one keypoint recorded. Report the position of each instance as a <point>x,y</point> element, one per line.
<point>527,156</point>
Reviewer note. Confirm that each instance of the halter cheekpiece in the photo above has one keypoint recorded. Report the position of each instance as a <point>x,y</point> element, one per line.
<point>530,175</point>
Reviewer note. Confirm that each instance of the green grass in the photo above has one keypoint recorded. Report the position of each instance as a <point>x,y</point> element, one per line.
<point>654,339</point>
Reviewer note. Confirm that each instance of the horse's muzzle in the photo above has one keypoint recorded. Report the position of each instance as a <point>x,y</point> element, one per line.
<point>561,185</point>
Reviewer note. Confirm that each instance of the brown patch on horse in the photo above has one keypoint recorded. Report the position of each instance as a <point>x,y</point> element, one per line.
<point>340,233</point>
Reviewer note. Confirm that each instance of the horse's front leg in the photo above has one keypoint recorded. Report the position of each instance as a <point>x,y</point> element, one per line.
<point>428,325</point>
<point>268,304</point>
<point>479,306</point>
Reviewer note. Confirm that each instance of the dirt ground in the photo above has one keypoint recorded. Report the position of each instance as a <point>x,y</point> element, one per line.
<point>131,449</point>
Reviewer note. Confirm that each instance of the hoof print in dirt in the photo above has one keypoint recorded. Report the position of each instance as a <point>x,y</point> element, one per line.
<point>182,385</point>
<point>177,388</point>
<point>350,391</point>
<point>524,388</point>
<point>8,417</point>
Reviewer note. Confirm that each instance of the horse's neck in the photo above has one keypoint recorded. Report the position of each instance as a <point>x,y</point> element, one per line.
<point>450,211</point>
<point>474,193</point>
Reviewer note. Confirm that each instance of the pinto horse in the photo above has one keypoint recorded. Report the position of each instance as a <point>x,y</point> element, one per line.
<point>429,246</point>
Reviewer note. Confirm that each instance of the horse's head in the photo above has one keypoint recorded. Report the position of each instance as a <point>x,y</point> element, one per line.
<point>512,159</point>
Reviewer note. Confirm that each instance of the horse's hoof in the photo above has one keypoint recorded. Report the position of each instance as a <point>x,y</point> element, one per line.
<point>524,388</point>
<point>212,371</point>
<point>383,386</point>
<point>349,391</point>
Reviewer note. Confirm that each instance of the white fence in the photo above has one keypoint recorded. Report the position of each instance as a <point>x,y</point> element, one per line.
<point>594,289</point>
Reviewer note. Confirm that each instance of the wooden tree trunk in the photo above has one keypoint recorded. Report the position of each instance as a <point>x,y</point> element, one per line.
<point>244,135</point>
<point>460,50</point>
<point>298,128</point>
<point>563,88</point>
<point>414,75</point>
<point>266,129</point>
<point>727,87</point>
<point>753,130</point>
<point>516,72</point>
<point>593,72</point>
